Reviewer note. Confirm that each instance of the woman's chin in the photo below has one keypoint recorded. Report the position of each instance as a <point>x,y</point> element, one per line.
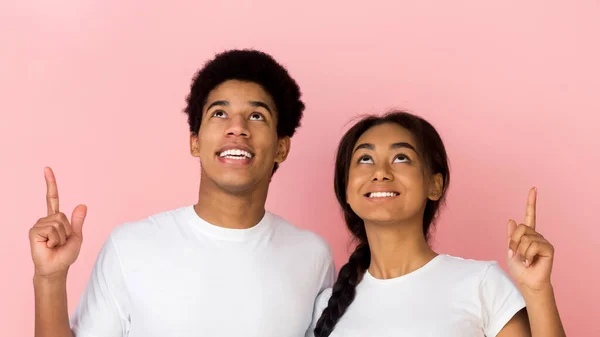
<point>384,218</point>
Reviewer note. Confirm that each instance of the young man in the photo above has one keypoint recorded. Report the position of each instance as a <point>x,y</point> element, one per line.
<point>222,267</point>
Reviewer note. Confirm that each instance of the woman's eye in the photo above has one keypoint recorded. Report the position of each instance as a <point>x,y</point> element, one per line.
<point>256,117</point>
<point>365,160</point>
<point>401,159</point>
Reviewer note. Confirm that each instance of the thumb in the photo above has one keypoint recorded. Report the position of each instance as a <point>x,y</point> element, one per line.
<point>77,219</point>
<point>512,226</point>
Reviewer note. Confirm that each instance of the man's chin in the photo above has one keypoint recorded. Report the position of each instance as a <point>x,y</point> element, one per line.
<point>232,181</point>
<point>237,186</point>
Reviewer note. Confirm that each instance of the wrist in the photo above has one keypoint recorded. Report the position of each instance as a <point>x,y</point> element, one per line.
<point>50,279</point>
<point>543,292</point>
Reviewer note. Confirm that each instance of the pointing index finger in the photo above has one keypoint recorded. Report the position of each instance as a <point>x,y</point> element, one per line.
<point>530,212</point>
<point>51,191</point>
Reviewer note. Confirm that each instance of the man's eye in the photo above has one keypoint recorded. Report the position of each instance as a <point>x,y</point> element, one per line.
<point>256,117</point>
<point>219,114</point>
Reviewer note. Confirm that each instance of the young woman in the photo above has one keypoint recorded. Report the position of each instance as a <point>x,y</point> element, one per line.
<point>391,177</point>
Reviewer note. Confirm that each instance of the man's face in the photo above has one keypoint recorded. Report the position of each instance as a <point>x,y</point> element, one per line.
<point>237,142</point>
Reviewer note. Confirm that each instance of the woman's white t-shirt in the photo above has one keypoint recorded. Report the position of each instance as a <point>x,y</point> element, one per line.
<point>449,296</point>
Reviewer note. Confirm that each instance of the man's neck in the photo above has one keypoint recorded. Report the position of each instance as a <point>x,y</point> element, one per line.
<point>237,211</point>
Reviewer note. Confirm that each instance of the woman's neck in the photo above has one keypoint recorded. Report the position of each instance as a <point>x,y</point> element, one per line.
<point>397,249</point>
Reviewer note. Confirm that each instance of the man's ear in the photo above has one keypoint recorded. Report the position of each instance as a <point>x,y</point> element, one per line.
<point>283,149</point>
<point>194,145</point>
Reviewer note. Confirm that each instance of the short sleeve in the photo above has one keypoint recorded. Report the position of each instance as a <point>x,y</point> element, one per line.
<point>102,310</point>
<point>329,275</point>
<point>324,288</point>
<point>320,305</point>
<point>500,298</point>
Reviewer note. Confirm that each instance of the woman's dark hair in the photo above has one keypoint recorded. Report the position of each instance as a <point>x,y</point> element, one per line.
<point>249,66</point>
<point>430,144</point>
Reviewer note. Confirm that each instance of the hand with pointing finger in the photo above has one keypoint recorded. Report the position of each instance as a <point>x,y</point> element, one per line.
<point>530,256</point>
<point>55,242</point>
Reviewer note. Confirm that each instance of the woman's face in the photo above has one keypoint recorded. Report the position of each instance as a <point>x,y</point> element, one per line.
<point>388,180</point>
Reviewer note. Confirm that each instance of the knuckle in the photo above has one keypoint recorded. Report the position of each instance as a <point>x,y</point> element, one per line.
<point>41,222</point>
<point>58,215</point>
<point>520,231</point>
<point>523,249</point>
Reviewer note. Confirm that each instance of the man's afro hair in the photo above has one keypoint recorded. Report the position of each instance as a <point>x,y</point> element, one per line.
<point>250,66</point>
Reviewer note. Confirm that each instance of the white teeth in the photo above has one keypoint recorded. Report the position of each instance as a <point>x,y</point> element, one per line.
<point>235,154</point>
<point>382,194</point>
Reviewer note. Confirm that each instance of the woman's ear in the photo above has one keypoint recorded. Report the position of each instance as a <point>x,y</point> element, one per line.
<point>436,187</point>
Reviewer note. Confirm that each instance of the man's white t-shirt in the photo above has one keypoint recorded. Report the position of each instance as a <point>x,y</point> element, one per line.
<point>449,296</point>
<point>175,274</point>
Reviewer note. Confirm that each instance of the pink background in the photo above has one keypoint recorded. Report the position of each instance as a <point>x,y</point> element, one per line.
<point>95,89</point>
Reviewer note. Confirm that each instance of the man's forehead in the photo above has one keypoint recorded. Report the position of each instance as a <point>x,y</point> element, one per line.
<point>239,92</point>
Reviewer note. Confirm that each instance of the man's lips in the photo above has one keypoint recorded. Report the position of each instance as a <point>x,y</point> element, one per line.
<point>235,151</point>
